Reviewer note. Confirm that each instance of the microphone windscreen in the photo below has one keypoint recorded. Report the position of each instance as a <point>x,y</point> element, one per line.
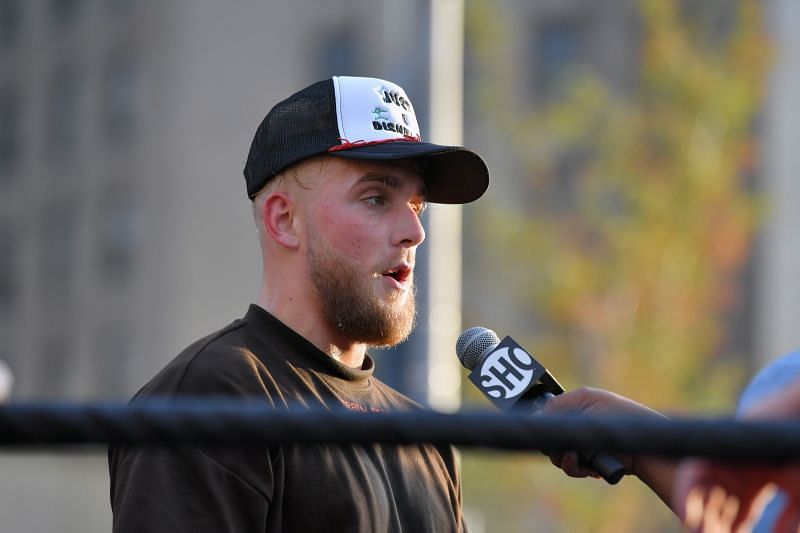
<point>473,343</point>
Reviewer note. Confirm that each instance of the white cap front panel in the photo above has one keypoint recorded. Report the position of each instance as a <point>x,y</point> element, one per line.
<point>373,110</point>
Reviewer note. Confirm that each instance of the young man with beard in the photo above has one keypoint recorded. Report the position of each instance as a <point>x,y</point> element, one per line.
<point>339,177</point>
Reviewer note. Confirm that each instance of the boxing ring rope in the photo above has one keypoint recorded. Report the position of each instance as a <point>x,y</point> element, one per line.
<point>255,423</point>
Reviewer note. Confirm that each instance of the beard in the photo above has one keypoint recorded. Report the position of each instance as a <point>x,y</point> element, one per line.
<point>350,302</point>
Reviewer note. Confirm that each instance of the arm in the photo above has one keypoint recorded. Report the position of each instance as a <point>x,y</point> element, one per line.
<point>183,488</point>
<point>726,496</point>
<point>656,472</point>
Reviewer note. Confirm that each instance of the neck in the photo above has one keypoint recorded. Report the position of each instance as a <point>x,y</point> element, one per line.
<point>301,313</point>
<point>352,357</point>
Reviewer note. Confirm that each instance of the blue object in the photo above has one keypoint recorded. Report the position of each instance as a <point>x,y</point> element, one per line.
<point>773,378</point>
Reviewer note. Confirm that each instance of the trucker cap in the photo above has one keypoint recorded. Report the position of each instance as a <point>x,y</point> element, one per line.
<point>359,118</point>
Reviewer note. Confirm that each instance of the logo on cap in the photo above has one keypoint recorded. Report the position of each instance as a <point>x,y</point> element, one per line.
<point>379,111</point>
<point>370,110</point>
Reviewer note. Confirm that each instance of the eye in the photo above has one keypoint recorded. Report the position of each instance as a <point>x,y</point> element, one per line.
<point>419,207</point>
<point>374,200</point>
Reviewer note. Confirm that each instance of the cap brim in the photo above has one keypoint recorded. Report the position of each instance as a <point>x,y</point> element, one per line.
<point>453,175</point>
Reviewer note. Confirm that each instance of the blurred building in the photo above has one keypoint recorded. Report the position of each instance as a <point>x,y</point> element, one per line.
<point>777,268</point>
<point>125,230</point>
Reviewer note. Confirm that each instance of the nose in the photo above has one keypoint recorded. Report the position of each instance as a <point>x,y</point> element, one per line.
<point>410,231</point>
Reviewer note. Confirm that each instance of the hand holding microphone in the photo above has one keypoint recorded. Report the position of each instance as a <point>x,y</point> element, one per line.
<point>513,380</point>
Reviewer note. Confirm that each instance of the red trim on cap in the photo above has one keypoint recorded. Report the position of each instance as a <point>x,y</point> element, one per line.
<point>347,145</point>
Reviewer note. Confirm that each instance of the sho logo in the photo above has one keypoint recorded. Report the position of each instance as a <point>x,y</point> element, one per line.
<point>508,375</point>
<point>507,372</point>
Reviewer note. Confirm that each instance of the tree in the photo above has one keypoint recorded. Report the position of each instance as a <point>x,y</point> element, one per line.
<point>639,218</point>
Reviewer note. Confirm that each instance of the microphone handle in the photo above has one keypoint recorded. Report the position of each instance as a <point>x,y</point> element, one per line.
<point>603,463</point>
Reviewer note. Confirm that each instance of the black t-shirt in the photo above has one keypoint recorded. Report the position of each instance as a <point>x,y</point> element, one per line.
<point>283,488</point>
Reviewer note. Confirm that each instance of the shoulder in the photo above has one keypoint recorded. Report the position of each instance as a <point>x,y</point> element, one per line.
<point>222,363</point>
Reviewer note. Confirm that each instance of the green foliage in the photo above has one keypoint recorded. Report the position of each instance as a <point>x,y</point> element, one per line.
<point>639,214</point>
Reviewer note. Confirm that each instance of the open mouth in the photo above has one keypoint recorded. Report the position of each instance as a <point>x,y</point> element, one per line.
<point>400,273</point>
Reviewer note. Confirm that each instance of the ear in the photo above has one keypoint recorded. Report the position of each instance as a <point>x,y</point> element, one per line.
<point>278,216</point>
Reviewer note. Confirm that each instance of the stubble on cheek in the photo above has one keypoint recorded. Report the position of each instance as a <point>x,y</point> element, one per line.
<point>351,303</point>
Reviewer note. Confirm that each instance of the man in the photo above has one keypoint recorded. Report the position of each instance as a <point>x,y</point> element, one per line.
<point>339,177</point>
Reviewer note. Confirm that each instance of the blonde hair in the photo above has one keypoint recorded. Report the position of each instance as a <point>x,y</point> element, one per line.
<point>299,175</point>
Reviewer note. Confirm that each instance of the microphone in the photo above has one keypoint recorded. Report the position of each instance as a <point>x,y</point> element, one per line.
<point>514,381</point>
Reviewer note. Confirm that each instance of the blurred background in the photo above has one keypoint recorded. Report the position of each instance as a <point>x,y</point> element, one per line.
<point>638,235</point>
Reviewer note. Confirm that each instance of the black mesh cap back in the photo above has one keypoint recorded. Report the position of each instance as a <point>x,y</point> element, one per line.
<point>303,125</point>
